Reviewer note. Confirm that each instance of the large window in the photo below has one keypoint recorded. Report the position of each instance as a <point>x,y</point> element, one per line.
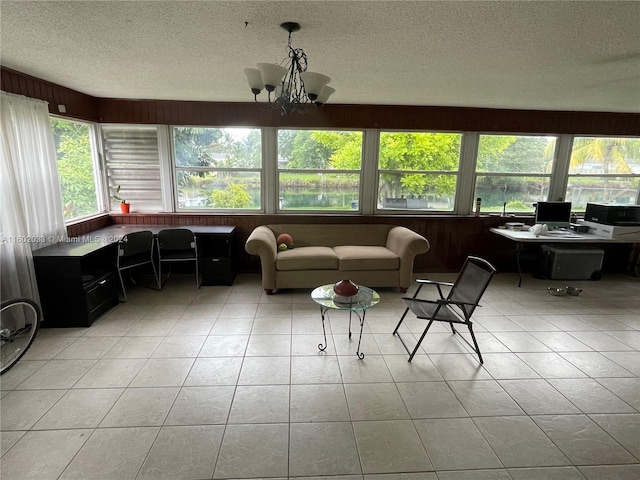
<point>418,171</point>
<point>217,168</point>
<point>76,168</point>
<point>604,169</point>
<point>513,172</point>
<point>319,170</point>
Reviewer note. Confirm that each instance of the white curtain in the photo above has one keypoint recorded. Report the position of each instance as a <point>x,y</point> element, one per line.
<point>30,199</point>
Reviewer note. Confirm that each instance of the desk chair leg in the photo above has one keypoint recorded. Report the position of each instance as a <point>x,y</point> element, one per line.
<point>124,293</point>
<point>155,274</point>
<point>161,284</point>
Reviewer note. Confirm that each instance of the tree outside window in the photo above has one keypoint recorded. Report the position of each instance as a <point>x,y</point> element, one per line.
<point>218,168</point>
<point>513,172</point>
<point>604,170</point>
<point>319,170</point>
<point>75,168</point>
<point>418,170</point>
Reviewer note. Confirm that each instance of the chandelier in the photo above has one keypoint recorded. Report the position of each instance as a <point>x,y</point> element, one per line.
<point>289,86</point>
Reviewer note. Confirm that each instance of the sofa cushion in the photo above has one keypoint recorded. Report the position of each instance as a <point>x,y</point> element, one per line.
<point>307,258</point>
<point>366,258</point>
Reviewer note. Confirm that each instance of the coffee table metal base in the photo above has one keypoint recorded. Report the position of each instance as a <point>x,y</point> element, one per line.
<point>324,313</point>
<point>327,298</point>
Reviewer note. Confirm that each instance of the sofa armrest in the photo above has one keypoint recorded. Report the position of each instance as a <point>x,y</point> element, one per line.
<point>406,244</point>
<point>262,242</point>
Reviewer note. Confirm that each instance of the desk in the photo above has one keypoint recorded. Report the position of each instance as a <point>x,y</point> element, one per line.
<point>215,247</point>
<point>358,304</point>
<point>77,279</point>
<point>522,237</point>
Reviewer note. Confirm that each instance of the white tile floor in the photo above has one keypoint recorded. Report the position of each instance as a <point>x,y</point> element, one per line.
<point>226,382</point>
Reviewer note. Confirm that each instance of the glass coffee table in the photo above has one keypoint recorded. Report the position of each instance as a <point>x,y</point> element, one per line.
<point>358,304</point>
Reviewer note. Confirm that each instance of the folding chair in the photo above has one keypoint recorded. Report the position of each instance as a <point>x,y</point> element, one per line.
<point>176,245</point>
<point>457,306</point>
<point>135,250</point>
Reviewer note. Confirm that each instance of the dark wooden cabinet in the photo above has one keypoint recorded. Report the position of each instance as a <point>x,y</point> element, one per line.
<point>77,282</point>
<point>215,249</point>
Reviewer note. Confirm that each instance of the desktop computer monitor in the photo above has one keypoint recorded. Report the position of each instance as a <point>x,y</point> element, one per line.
<point>554,214</point>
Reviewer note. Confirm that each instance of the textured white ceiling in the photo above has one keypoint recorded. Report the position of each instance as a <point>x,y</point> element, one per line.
<point>551,55</point>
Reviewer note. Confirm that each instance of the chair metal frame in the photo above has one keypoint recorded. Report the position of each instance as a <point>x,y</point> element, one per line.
<point>456,307</point>
<point>165,236</point>
<point>132,241</point>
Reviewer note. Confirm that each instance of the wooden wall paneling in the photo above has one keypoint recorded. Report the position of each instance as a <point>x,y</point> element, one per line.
<point>166,113</point>
<point>141,113</point>
<point>84,227</point>
<point>374,116</point>
<point>90,108</point>
<point>78,105</point>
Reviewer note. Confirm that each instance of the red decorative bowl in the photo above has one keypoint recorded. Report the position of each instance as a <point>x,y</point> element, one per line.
<point>345,288</point>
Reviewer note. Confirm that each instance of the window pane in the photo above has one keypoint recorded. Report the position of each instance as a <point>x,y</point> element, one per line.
<point>217,147</point>
<point>218,189</point>
<point>75,167</point>
<point>419,151</point>
<point>133,163</point>
<point>526,154</point>
<point>410,168</point>
<point>515,154</point>
<point>519,193</point>
<point>319,191</point>
<point>218,168</point>
<point>620,190</point>
<point>597,168</point>
<point>416,191</point>
<point>307,160</point>
<point>608,156</point>
<point>319,149</point>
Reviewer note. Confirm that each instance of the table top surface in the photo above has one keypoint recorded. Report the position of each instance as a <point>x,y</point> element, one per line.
<point>98,239</point>
<point>554,237</point>
<point>326,297</point>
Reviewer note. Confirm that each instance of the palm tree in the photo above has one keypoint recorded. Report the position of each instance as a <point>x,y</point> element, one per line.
<point>611,155</point>
<point>614,154</point>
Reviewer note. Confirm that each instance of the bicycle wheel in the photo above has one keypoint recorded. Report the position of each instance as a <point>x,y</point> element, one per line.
<point>19,321</point>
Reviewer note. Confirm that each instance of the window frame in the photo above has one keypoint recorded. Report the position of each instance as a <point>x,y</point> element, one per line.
<point>568,175</point>
<point>369,173</point>
<point>361,173</point>
<point>412,211</point>
<point>163,164</point>
<point>176,168</point>
<point>553,191</point>
<point>99,174</point>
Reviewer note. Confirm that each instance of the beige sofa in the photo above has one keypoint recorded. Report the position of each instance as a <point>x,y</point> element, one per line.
<point>371,255</point>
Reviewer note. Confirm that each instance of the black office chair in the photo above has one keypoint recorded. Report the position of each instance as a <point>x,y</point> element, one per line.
<point>176,245</point>
<point>135,250</point>
<point>457,306</point>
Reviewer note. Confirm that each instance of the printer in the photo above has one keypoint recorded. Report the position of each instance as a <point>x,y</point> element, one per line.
<point>609,214</point>
<point>621,222</point>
